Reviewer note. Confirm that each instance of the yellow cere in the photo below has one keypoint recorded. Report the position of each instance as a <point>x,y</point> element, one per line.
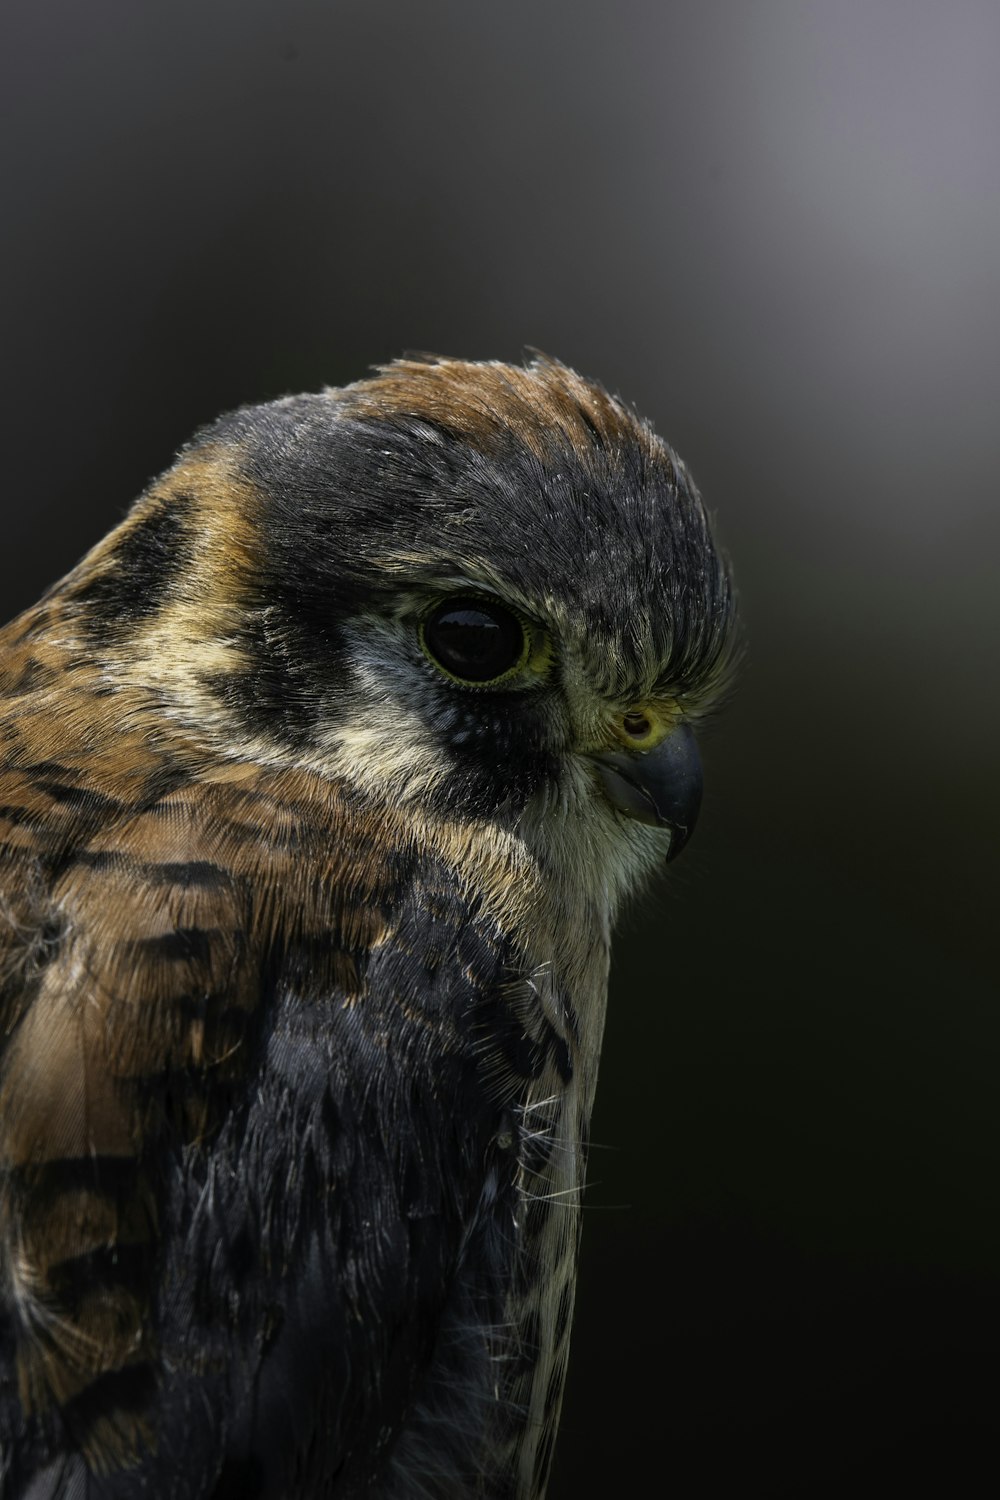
<point>644,725</point>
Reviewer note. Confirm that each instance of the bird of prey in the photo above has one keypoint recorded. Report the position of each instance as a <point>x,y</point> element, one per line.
<point>322,780</point>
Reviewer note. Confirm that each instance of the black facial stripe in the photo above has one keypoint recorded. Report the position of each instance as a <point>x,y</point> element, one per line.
<point>152,554</point>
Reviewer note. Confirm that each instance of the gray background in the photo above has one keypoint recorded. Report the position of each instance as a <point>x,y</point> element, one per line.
<point>773,226</point>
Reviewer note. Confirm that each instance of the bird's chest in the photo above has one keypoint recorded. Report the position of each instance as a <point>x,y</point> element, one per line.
<point>494,1393</point>
<point>555,1123</point>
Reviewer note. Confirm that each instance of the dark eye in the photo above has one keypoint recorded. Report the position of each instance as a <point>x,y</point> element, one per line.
<point>474,640</point>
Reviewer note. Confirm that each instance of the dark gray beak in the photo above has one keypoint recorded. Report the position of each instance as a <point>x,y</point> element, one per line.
<point>661,786</point>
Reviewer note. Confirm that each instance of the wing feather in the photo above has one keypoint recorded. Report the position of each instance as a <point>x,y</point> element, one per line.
<point>245,1108</point>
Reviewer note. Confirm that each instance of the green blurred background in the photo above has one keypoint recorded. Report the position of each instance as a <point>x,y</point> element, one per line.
<point>775,227</point>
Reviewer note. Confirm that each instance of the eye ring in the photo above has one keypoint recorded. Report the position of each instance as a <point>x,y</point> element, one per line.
<point>476,642</point>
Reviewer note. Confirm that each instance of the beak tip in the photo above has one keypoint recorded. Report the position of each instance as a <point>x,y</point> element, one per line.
<point>680,834</point>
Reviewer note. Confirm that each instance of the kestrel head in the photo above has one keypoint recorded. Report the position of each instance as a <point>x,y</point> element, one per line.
<point>487,591</point>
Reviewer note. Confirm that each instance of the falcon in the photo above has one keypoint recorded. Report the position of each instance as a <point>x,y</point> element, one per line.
<point>322,780</point>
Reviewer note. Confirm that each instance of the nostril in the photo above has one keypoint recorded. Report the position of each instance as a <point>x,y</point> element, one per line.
<point>636,724</point>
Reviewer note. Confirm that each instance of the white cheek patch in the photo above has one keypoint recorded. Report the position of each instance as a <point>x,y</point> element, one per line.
<point>380,741</point>
<point>386,751</point>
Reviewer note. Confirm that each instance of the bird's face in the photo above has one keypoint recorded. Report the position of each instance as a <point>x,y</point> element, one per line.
<point>484,592</point>
<point>483,698</point>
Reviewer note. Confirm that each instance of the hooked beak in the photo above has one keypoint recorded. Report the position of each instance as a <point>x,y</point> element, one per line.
<point>661,786</point>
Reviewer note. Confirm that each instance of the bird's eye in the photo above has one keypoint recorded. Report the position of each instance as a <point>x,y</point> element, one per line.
<point>474,640</point>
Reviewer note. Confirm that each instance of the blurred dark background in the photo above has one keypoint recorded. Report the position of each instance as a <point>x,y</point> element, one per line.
<point>774,227</point>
